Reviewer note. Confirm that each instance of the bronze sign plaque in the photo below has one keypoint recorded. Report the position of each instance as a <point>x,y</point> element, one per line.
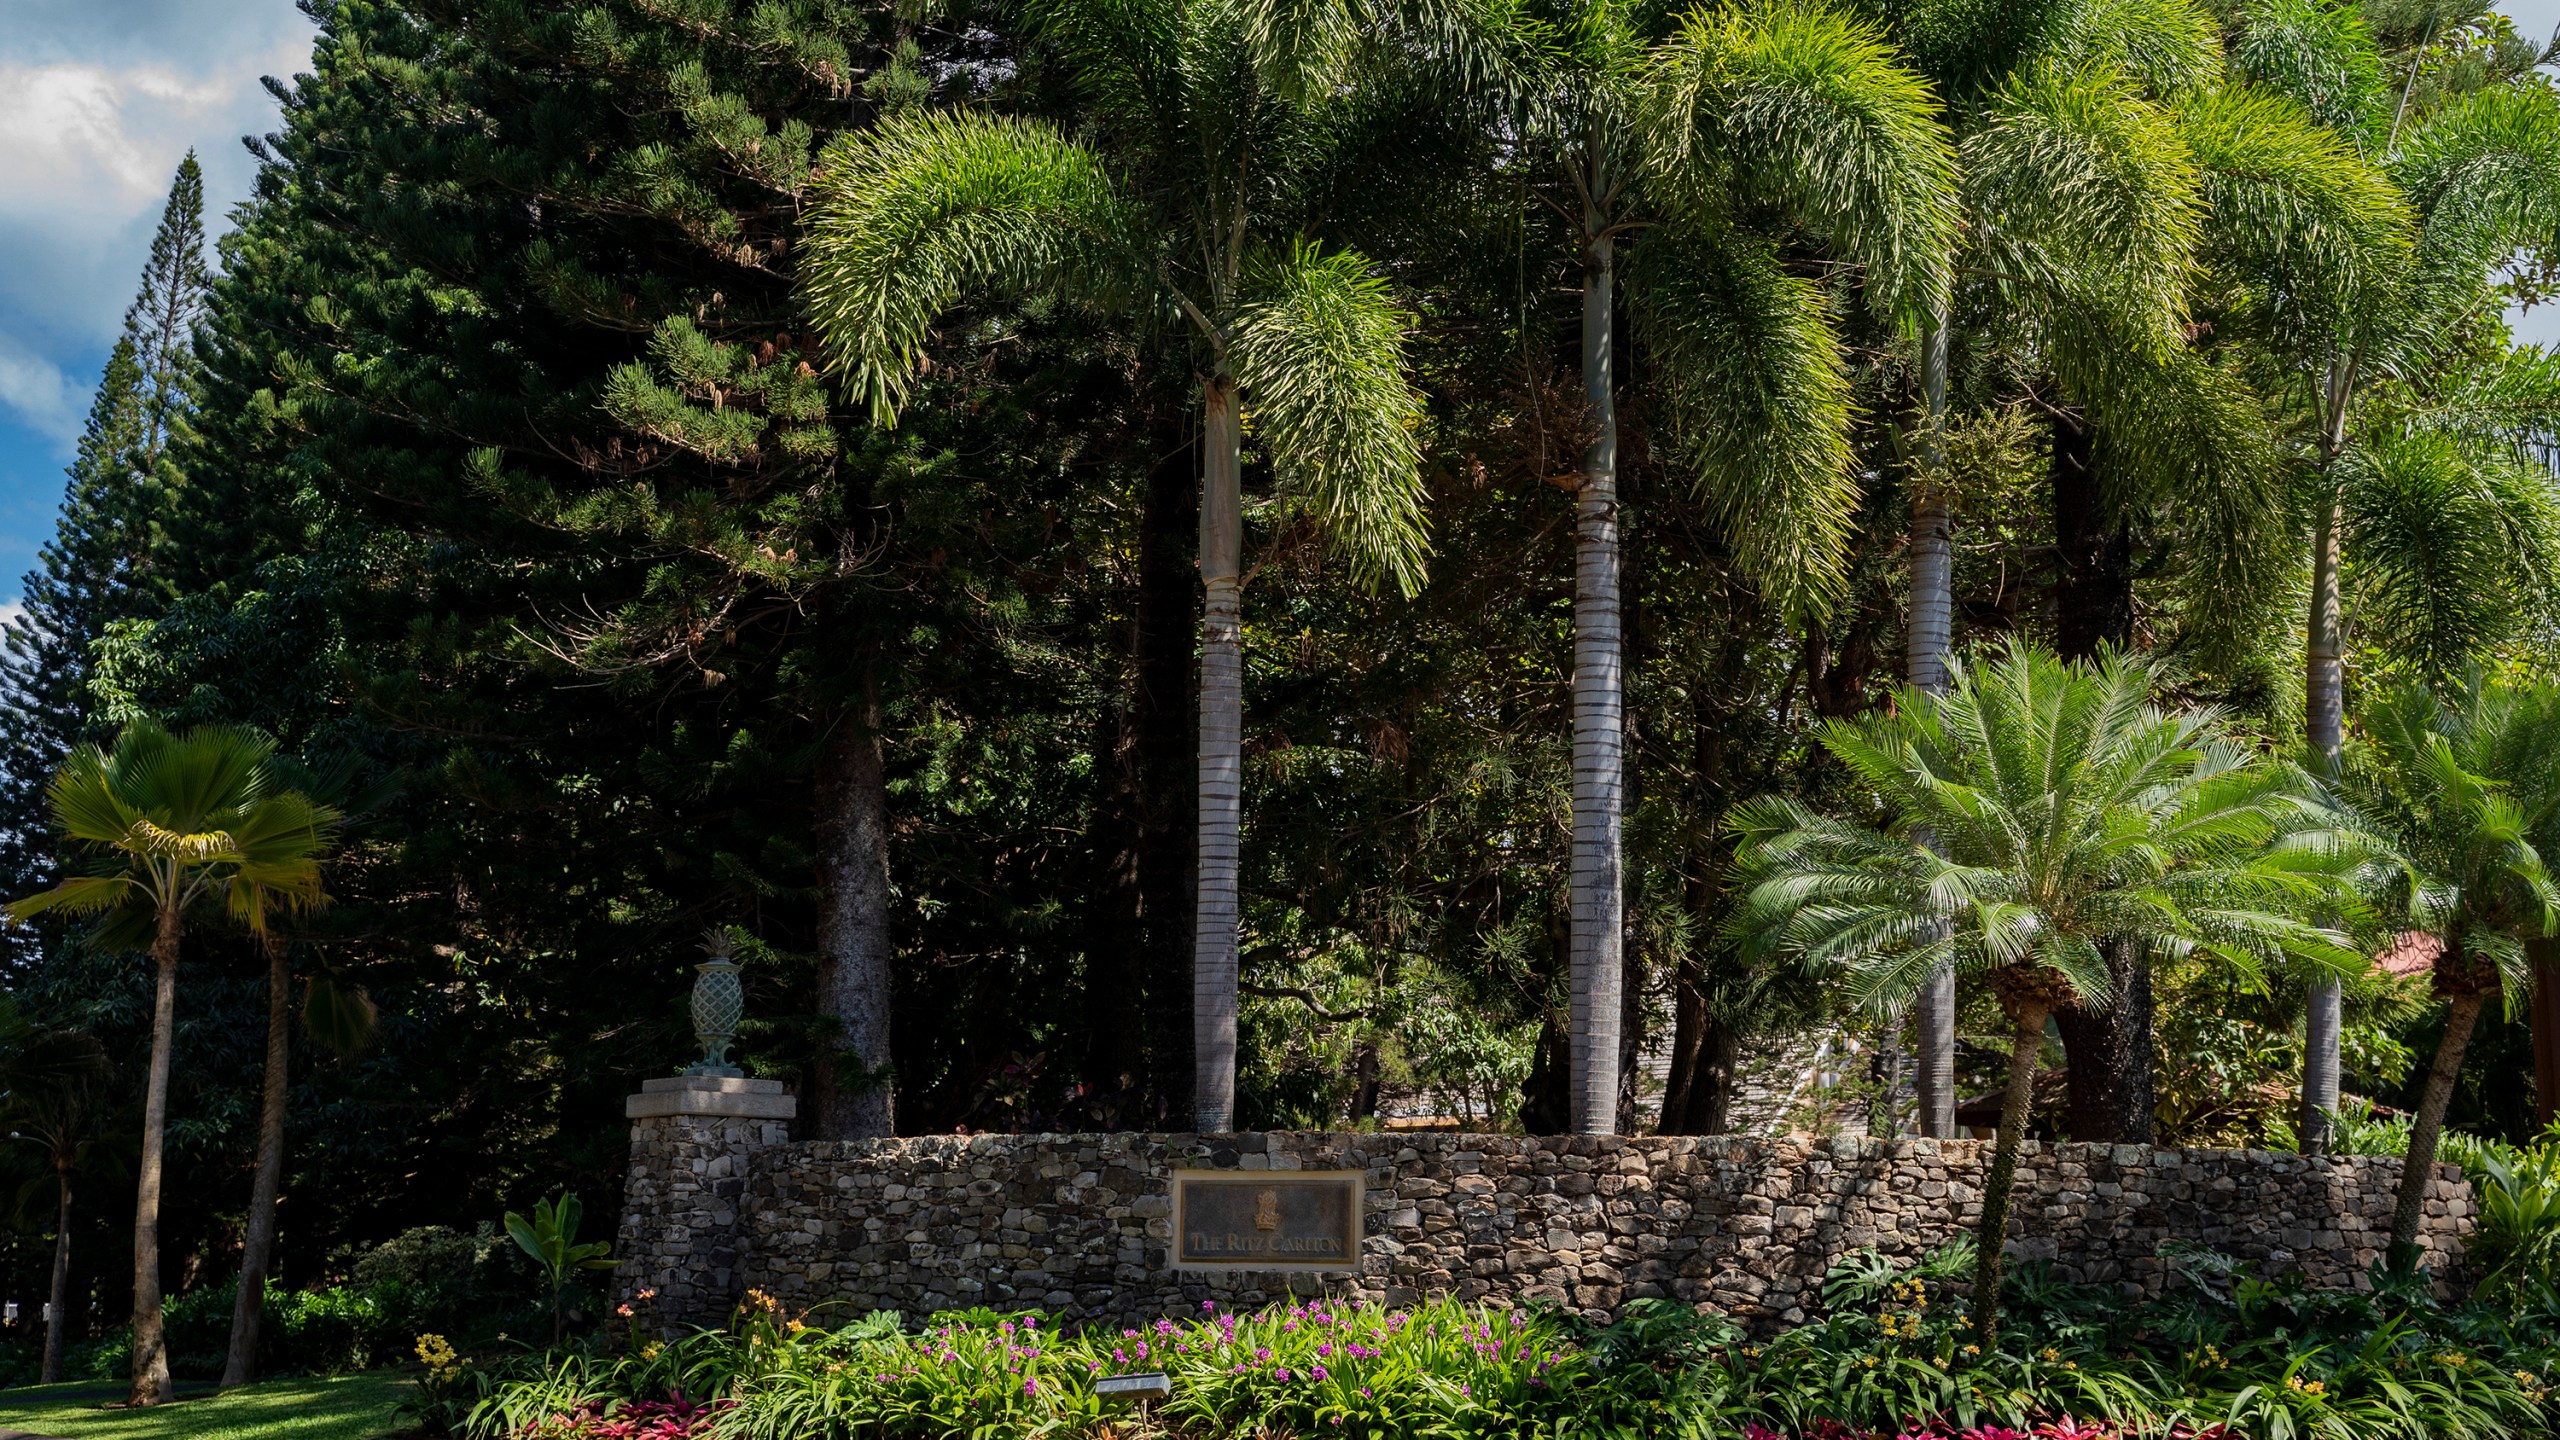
<point>1266,1219</point>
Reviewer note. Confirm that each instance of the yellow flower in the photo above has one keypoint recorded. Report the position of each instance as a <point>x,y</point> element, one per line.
<point>1973,1349</point>
<point>650,1350</point>
<point>2048,1355</point>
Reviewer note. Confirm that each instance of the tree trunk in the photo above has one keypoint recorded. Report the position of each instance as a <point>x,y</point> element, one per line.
<point>1165,720</point>
<point>1115,912</point>
<point>1711,1093</point>
<point>1989,1259</point>
<point>2409,1206</point>
<point>2545,955</point>
<point>2093,552</point>
<point>2111,1093</point>
<point>150,1341</point>
<point>1925,666</point>
<point>854,986</point>
<point>2324,732</point>
<point>1213,968</point>
<point>57,1310</point>
<point>1688,1043</point>
<point>1599,717</point>
<point>257,1250</point>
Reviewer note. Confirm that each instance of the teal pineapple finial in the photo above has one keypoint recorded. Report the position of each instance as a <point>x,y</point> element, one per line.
<point>718,1001</point>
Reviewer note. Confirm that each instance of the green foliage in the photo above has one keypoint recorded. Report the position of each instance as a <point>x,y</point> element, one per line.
<point>550,1237</point>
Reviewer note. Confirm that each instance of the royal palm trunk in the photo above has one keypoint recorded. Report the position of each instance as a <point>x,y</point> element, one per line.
<point>1925,666</point>
<point>1599,714</point>
<point>1221,779</point>
<point>257,1247</point>
<point>2324,732</point>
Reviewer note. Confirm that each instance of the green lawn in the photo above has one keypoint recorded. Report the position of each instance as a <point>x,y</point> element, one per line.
<point>349,1407</point>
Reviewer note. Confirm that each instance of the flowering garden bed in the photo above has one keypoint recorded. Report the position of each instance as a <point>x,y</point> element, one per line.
<point>2227,1356</point>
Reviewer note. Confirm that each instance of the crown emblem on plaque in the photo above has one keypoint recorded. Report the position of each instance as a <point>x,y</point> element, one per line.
<point>1266,1210</point>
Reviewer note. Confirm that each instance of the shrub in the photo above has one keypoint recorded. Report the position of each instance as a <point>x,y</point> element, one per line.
<point>2227,1354</point>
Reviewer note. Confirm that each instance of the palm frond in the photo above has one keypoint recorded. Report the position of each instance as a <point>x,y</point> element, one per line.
<point>1805,110</point>
<point>1319,350</point>
<point>925,209</point>
<point>1757,393</point>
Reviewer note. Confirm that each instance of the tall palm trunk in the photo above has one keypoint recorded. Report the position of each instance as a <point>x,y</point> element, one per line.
<point>257,1250</point>
<point>150,1340</point>
<point>2409,1205</point>
<point>1213,979</point>
<point>1599,711</point>
<point>853,930</point>
<point>1925,666</point>
<point>1989,1260</point>
<point>2324,730</point>
<point>58,1298</point>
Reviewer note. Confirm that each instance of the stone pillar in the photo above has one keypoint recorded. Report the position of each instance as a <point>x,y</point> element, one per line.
<point>684,1233</point>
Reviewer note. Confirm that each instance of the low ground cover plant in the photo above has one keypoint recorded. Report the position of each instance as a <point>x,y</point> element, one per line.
<point>2226,1354</point>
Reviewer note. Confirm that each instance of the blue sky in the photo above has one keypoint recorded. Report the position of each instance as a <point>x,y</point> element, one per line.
<point>98,101</point>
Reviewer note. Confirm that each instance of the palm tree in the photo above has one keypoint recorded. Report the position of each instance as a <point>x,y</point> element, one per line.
<point>256,905</point>
<point>2468,791</point>
<point>2106,167</point>
<point>2038,811</point>
<point>1735,126</point>
<point>2426,529</point>
<point>172,821</point>
<point>1185,211</point>
<point>57,1093</point>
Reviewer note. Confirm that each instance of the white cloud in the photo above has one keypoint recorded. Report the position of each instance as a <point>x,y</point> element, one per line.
<point>83,141</point>
<point>44,399</point>
<point>99,99</point>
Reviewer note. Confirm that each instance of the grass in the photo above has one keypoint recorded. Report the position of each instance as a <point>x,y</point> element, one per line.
<point>346,1407</point>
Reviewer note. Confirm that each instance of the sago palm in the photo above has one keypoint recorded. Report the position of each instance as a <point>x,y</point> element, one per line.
<point>170,823</point>
<point>1181,212</point>
<point>1714,138</point>
<point>2035,812</point>
<point>2468,791</point>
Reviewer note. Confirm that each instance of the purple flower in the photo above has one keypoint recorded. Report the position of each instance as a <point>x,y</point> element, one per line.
<point>1317,1373</point>
<point>1030,1387</point>
<point>1283,1376</point>
<point>1262,1353</point>
<point>1209,1306</point>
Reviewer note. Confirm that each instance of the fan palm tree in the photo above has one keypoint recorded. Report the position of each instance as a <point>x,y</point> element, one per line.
<point>1183,211</point>
<point>2468,791</point>
<point>172,822</point>
<point>2038,811</point>
<point>57,1096</point>
<point>2431,525</point>
<point>340,1017</point>
<point>1716,140</point>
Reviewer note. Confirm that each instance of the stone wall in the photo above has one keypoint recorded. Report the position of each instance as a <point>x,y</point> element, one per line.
<point>1080,1224</point>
